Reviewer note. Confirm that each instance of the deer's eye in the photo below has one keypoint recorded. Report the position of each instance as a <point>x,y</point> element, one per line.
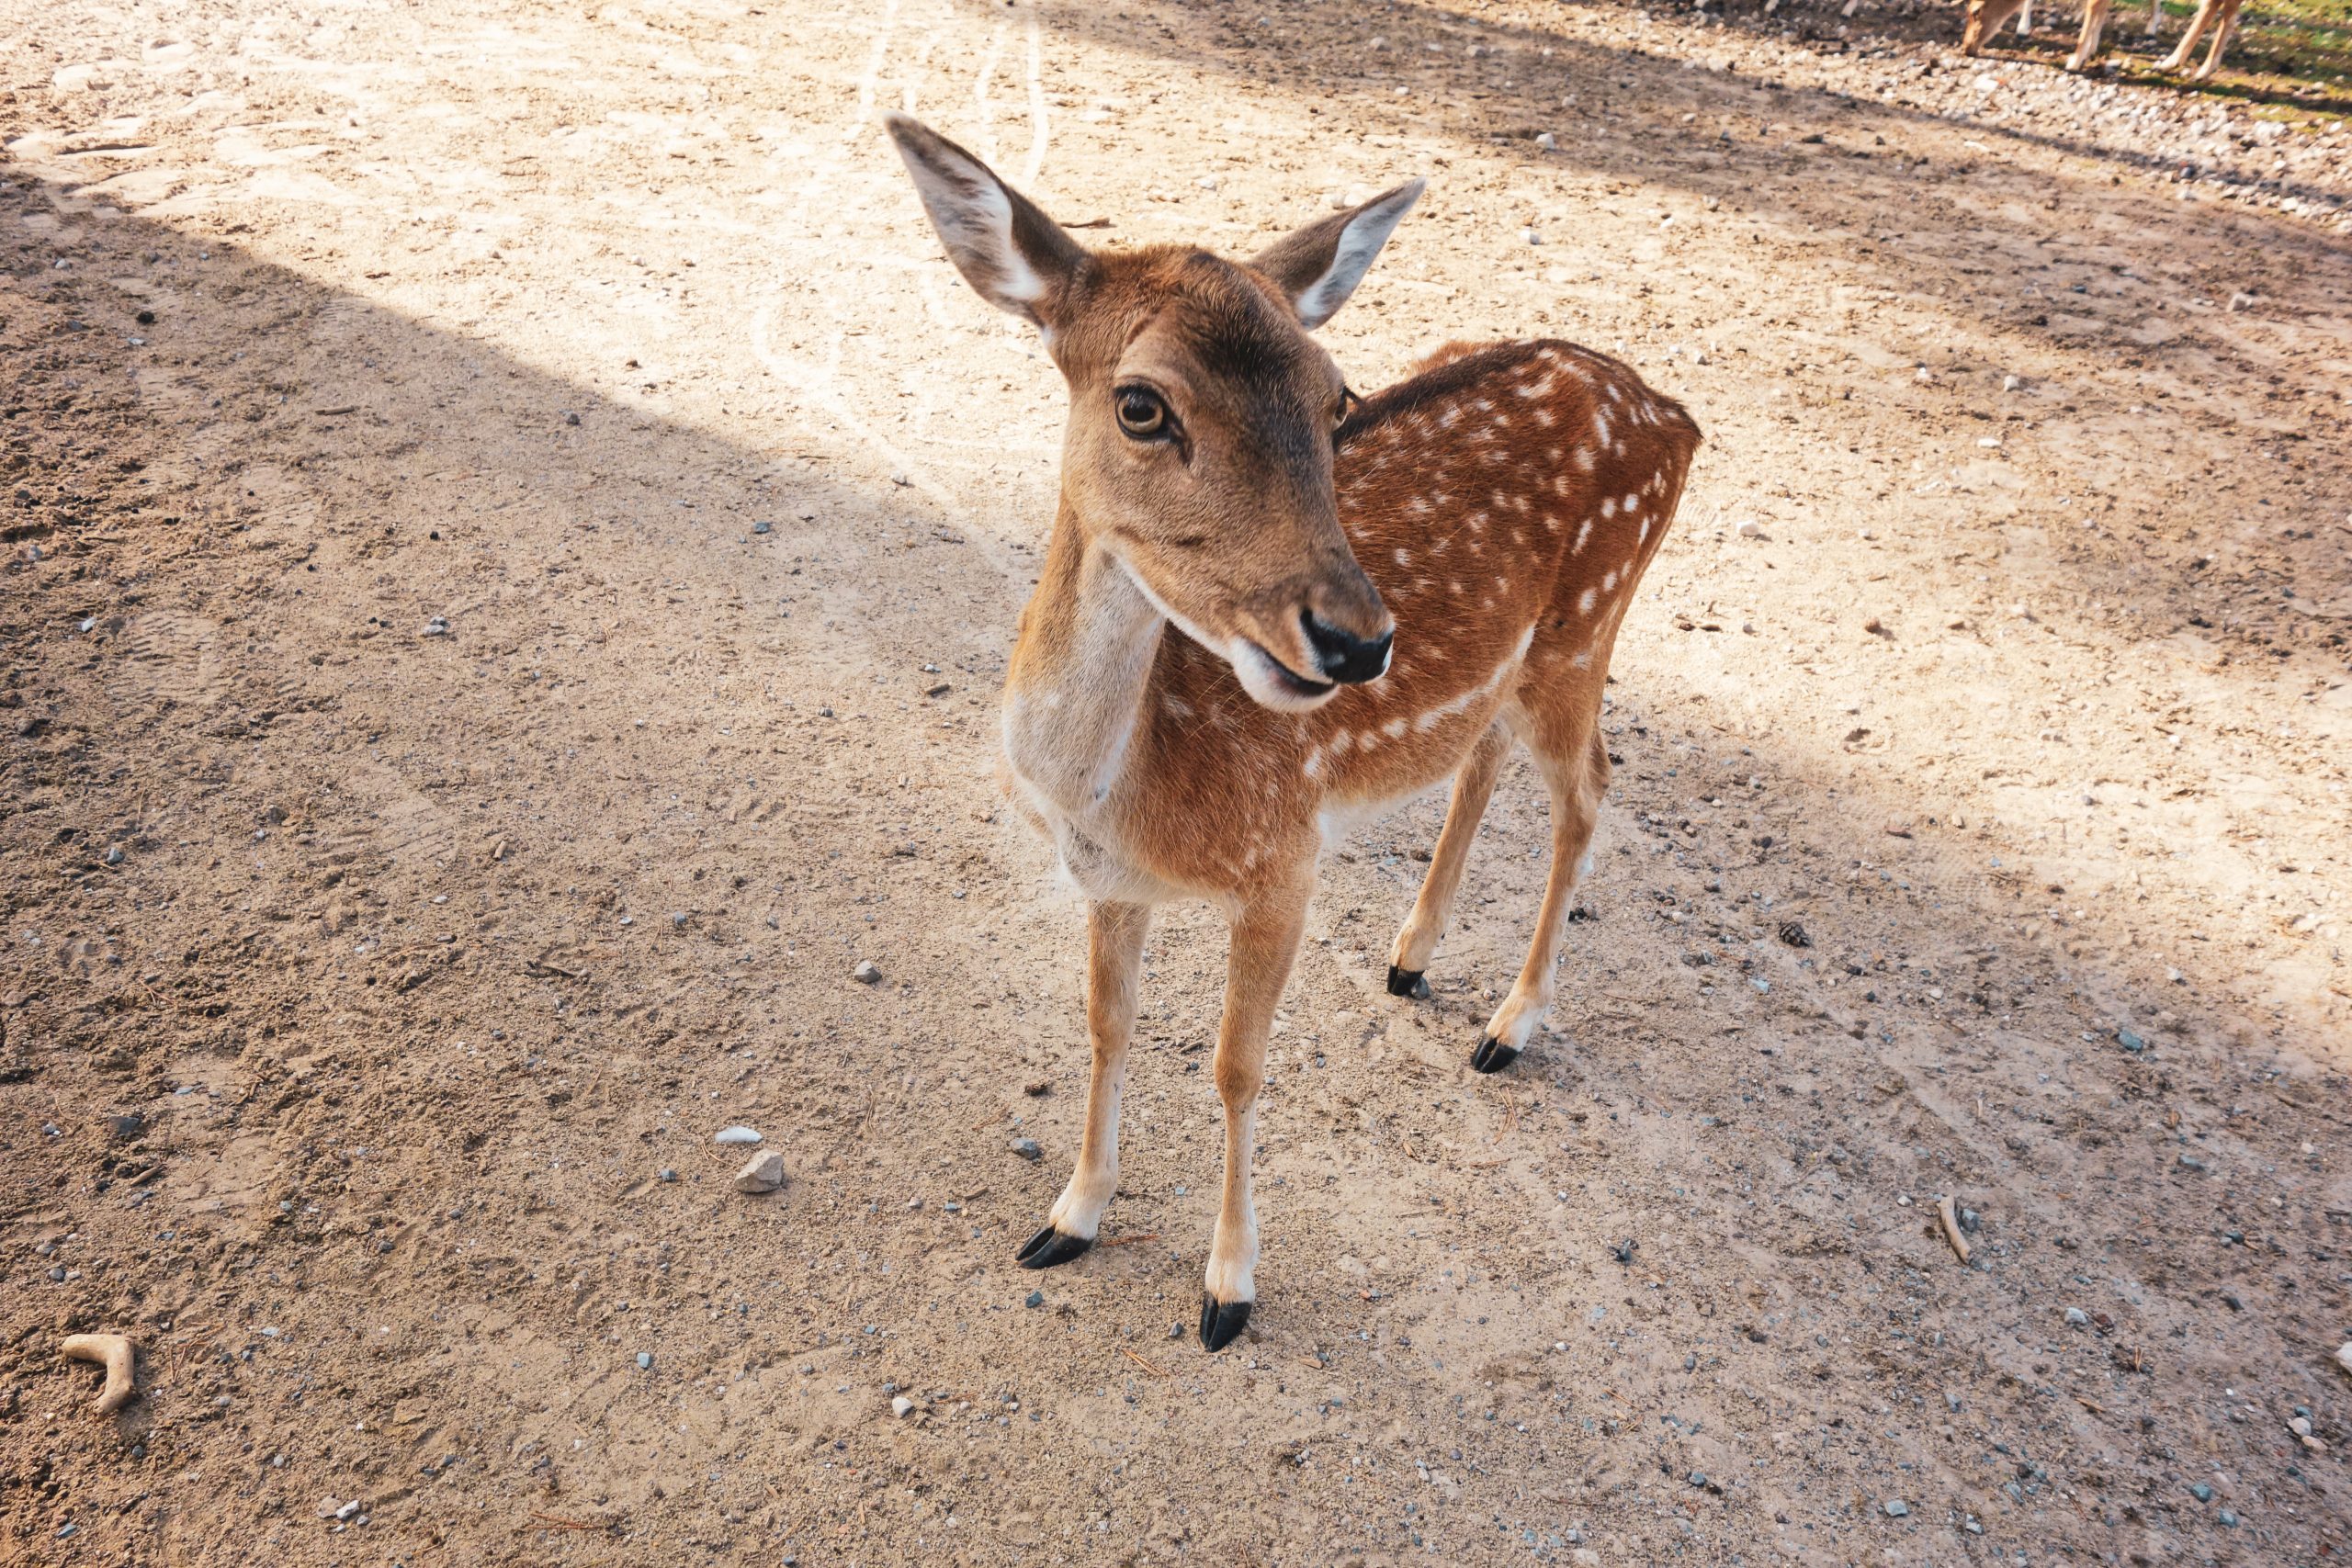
<point>1141,413</point>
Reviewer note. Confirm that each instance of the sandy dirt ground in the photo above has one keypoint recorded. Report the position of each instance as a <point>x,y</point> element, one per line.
<point>513,531</point>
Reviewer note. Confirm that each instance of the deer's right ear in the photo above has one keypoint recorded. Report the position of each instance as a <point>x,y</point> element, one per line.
<point>1019,259</point>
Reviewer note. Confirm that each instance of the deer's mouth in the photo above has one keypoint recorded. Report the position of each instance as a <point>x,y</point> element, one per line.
<point>1275,683</point>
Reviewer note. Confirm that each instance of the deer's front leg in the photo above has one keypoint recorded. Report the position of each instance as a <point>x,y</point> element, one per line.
<point>1265,940</point>
<point>1114,962</point>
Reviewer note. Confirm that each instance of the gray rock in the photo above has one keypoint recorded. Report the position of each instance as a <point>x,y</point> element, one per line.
<point>736,1135</point>
<point>1896,1507</point>
<point>2077,1317</point>
<point>865,974</point>
<point>1035,1299</point>
<point>644,1360</point>
<point>1026,1148</point>
<point>901,1407</point>
<point>764,1172</point>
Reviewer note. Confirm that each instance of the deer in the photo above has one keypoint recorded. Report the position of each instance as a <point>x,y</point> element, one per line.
<point>1269,608</point>
<point>1984,18</point>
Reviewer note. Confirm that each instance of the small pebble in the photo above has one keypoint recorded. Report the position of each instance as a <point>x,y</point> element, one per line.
<point>901,1407</point>
<point>865,974</point>
<point>1549,143</point>
<point>1896,1507</point>
<point>764,1172</point>
<point>2077,1317</point>
<point>666,1174</point>
<point>735,1135</point>
<point>644,1360</point>
<point>2129,1040</point>
<point>1026,1148</point>
<point>761,527</point>
<point>1035,1299</point>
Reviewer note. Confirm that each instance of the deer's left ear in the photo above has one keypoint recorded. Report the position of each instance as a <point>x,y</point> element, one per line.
<point>1019,259</point>
<point>1320,265</point>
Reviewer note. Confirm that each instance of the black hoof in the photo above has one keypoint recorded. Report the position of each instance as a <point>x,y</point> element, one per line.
<point>1222,1322</point>
<point>1407,983</point>
<point>1050,1246</point>
<point>1493,1055</point>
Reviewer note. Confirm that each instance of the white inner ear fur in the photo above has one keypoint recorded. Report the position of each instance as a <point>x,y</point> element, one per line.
<point>975,222</point>
<point>1359,243</point>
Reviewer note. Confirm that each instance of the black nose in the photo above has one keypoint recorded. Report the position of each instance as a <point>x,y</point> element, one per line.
<point>1345,657</point>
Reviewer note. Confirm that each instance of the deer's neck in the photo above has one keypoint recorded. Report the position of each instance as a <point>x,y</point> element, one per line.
<point>1078,673</point>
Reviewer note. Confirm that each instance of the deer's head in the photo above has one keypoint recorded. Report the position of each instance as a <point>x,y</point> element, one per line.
<point>1202,415</point>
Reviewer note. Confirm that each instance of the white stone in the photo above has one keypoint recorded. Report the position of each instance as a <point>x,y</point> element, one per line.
<point>735,1135</point>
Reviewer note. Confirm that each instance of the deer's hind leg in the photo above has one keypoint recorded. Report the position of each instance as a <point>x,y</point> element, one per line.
<point>1473,787</point>
<point>1575,762</point>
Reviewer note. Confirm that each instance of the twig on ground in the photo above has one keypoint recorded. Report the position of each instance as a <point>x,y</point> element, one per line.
<point>556,1521</point>
<point>1950,1218</point>
<point>114,1352</point>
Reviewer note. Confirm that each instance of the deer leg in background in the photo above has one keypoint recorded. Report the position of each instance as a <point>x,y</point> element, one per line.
<point>2222,31</point>
<point>1114,935</point>
<point>2196,30</point>
<point>1984,20</point>
<point>2087,47</point>
<point>1418,939</point>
